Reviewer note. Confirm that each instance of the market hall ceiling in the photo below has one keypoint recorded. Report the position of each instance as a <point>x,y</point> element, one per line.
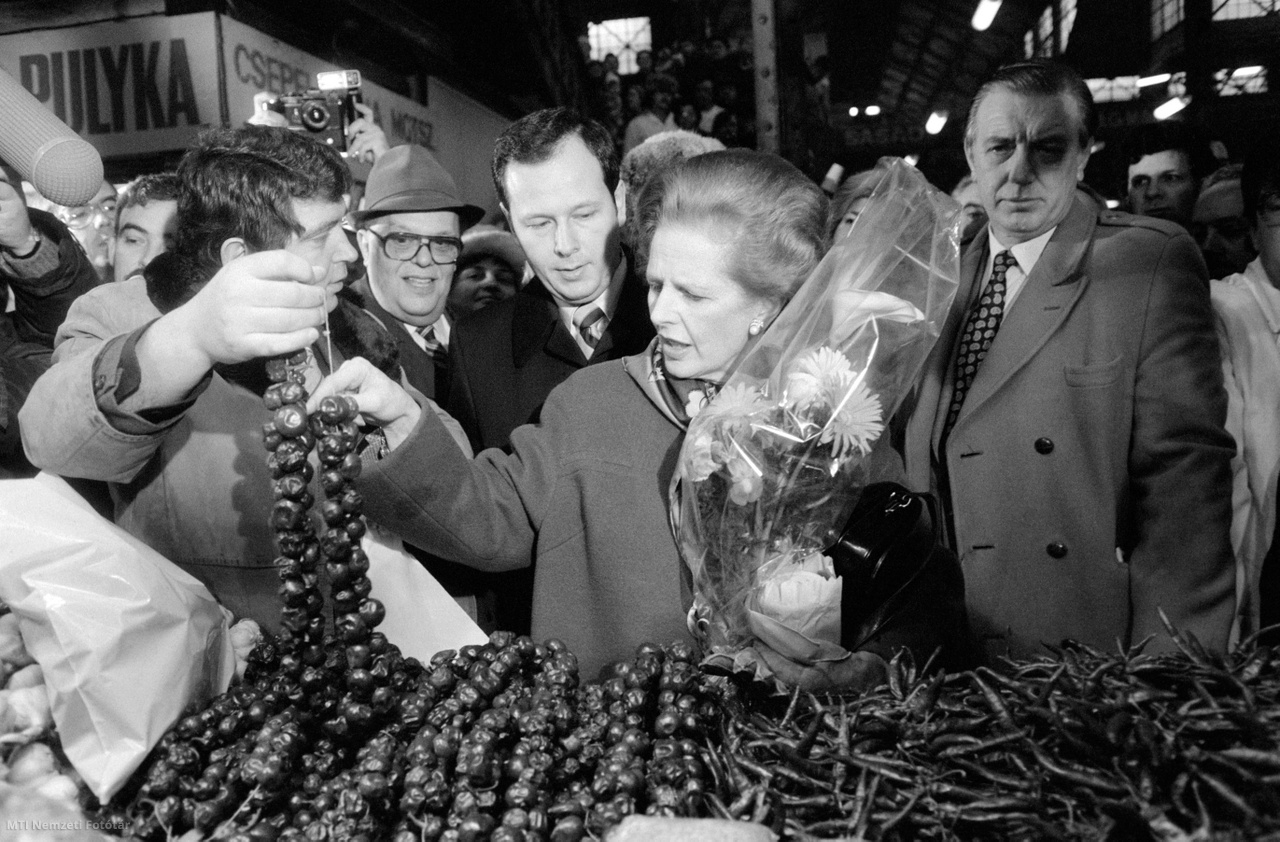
<point>910,57</point>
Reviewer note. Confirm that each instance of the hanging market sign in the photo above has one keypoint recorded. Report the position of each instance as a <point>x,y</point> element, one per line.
<point>144,85</point>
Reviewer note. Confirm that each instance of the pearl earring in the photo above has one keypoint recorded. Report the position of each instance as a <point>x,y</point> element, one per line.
<point>757,325</point>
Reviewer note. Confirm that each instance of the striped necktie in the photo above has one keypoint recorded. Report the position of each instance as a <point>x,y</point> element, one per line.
<point>588,321</point>
<point>979,332</point>
<point>434,347</point>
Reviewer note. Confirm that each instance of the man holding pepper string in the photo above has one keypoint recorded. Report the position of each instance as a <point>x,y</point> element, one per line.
<point>157,380</point>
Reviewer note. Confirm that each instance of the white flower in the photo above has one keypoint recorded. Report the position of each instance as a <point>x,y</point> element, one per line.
<point>817,376</point>
<point>734,406</point>
<point>855,424</point>
<point>747,480</point>
<point>696,403</point>
<point>803,595</point>
<point>703,455</point>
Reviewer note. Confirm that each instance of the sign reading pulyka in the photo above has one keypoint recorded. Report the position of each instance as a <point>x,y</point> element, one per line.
<point>144,85</point>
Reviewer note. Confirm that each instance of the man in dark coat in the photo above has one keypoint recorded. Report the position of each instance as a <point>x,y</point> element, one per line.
<point>556,175</point>
<point>1071,414</point>
<point>43,269</point>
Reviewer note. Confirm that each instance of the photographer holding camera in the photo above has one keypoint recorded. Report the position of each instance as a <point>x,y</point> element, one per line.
<point>333,113</point>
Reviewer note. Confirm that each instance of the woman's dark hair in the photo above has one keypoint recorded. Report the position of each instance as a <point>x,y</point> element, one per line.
<point>860,185</point>
<point>535,137</point>
<point>242,183</point>
<point>772,217</point>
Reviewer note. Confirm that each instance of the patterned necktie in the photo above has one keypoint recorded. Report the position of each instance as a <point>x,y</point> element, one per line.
<point>979,331</point>
<point>433,346</point>
<point>588,321</point>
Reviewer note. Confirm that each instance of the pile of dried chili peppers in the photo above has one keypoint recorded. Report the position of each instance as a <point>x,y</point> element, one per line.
<point>1080,744</point>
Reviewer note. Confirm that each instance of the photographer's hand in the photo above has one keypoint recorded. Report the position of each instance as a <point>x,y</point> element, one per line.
<point>366,141</point>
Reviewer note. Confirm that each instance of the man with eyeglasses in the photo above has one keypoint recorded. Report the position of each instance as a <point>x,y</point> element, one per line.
<point>1247,305</point>
<point>409,236</point>
<point>93,226</point>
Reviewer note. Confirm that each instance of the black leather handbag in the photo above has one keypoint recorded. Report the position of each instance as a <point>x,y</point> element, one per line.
<point>901,586</point>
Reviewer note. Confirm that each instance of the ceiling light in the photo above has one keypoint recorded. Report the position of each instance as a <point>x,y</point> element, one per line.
<point>853,112</point>
<point>912,159</point>
<point>984,14</point>
<point>1168,109</point>
<point>1158,79</point>
<point>936,121</point>
<point>1113,203</point>
<point>872,110</point>
<point>1252,70</point>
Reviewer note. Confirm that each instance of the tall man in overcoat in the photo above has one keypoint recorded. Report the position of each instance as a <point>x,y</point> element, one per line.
<point>1071,415</point>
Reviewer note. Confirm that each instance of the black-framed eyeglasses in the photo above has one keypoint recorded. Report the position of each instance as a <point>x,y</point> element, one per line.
<point>399,245</point>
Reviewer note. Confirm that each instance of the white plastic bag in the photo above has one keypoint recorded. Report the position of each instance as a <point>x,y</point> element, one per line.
<point>126,638</point>
<point>422,618</point>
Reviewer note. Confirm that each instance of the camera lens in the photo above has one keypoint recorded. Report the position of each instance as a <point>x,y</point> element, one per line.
<point>315,117</point>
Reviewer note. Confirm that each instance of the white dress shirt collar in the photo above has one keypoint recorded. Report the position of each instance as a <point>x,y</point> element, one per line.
<point>607,301</point>
<point>1026,254</point>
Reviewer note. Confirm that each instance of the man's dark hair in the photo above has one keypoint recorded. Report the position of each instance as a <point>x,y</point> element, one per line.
<point>156,187</point>
<point>536,137</point>
<point>242,183</point>
<point>1260,177</point>
<point>1175,137</point>
<point>1039,78</point>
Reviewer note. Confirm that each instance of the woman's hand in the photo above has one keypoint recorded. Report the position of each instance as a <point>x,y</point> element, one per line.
<point>382,401</point>
<point>859,672</point>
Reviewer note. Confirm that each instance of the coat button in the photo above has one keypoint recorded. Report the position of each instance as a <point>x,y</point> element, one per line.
<point>1057,549</point>
<point>1044,446</point>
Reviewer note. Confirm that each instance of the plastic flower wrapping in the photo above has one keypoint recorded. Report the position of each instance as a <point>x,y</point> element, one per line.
<point>773,466</point>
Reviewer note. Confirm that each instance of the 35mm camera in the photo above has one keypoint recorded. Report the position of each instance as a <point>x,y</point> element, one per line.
<point>324,111</point>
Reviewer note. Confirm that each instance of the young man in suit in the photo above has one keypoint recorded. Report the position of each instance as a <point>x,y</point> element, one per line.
<point>556,175</point>
<point>409,236</point>
<point>1071,415</point>
<point>557,178</point>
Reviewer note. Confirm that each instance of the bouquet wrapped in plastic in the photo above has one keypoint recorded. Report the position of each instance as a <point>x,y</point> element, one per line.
<point>773,466</point>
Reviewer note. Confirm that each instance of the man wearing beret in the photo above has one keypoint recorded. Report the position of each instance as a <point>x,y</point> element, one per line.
<point>409,236</point>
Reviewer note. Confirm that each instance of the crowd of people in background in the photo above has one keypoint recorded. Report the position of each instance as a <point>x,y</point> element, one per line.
<point>707,88</point>
<point>464,331</point>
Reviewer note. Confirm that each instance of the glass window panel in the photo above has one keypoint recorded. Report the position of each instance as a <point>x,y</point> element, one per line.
<point>1240,9</point>
<point>624,37</point>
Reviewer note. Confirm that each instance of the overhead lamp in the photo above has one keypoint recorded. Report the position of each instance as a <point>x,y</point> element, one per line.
<point>984,14</point>
<point>936,121</point>
<point>1158,79</point>
<point>913,158</point>
<point>1241,72</point>
<point>872,110</point>
<point>1167,109</point>
<point>853,112</point>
